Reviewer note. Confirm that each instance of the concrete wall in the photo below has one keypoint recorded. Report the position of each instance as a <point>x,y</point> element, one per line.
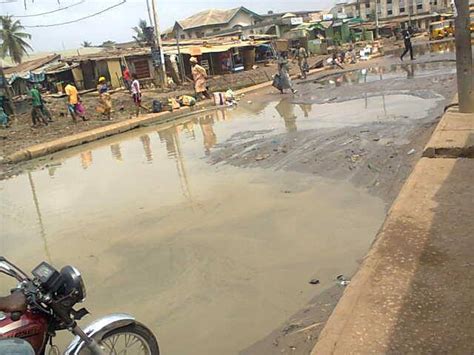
<point>243,19</point>
<point>384,7</point>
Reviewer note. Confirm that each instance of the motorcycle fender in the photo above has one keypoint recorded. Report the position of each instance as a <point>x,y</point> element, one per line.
<point>98,329</point>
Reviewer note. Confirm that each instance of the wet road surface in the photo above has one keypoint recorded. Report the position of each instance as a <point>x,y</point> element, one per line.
<point>212,257</point>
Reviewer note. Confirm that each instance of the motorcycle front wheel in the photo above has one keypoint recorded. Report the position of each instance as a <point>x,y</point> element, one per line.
<point>132,339</point>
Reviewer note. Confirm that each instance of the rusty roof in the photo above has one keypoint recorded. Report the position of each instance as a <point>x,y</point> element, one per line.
<point>110,54</point>
<point>32,64</point>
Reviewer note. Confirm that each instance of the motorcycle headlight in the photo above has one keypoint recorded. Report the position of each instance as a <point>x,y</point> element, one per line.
<point>73,285</point>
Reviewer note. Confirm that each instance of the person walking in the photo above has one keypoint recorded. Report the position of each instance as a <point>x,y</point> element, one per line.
<point>105,100</point>
<point>74,106</point>
<point>302,56</point>
<point>200,79</point>
<point>126,77</point>
<point>136,93</point>
<point>4,119</point>
<point>37,103</point>
<point>284,74</point>
<point>407,40</point>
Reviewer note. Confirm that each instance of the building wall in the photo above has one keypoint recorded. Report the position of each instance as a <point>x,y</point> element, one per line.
<point>392,8</point>
<point>242,18</point>
<point>78,78</point>
<point>115,71</point>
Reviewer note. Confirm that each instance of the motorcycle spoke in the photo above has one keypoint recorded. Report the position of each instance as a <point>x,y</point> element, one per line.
<point>125,344</point>
<point>112,341</point>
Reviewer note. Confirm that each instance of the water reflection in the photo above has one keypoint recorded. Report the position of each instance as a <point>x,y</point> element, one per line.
<point>146,142</point>
<point>306,108</point>
<point>116,152</point>
<point>86,159</point>
<point>39,217</point>
<point>203,132</point>
<point>402,71</point>
<point>287,111</point>
<point>409,69</point>
<point>209,136</point>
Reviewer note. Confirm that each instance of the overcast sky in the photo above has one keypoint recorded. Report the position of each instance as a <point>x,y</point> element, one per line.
<point>116,24</point>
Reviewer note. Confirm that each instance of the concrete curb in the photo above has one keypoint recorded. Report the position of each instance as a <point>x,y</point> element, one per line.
<point>70,141</point>
<point>453,137</point>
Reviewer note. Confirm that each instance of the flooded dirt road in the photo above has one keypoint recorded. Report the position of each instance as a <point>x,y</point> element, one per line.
<point>211,258</point>
<point>209,229</point>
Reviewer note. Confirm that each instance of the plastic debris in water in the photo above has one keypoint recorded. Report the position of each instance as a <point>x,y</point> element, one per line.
<point>342,281</point>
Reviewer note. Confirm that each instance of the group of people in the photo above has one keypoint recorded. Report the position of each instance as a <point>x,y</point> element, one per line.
<point>40,114</point>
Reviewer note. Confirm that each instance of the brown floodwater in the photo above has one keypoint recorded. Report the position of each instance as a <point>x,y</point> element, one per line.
<point>212,258</point>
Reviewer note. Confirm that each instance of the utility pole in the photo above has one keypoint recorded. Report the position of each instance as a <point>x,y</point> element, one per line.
<point>180,57</point>
<point>376,19</point>
<point>465,74</point>
<point>162,70</point>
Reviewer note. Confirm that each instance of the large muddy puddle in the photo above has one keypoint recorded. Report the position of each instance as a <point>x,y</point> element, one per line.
<point>212,258</point>
<point>396,71</point>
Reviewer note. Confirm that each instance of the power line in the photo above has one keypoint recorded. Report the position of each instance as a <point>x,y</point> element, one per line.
<point>79,19</point>
<point>50,12</point>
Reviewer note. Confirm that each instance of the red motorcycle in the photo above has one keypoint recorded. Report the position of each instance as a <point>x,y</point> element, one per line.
<point>49,298</point>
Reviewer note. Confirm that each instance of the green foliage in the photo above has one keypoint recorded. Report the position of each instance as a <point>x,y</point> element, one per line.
<point>108,44</point>
<point>13,40</point>
<point>139,30</point>
<point>86,44</point>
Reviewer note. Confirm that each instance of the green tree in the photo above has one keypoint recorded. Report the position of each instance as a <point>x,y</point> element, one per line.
<point>139,30</point>
<point>86,44</point>
<point>13,40</point>
<point>108,44</point>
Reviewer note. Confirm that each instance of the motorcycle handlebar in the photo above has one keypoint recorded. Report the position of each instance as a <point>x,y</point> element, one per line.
<point>12,270</point>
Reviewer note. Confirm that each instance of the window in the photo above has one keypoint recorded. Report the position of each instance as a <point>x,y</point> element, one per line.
<point>389,12</point>
<point>419,6</point>
<point>402,10</point>
<point>367,5</point>
<point>183,36</point>
<point>389,1</point>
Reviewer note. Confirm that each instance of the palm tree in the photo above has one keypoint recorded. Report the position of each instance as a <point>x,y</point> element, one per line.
<point>86,44</point>
<point>13,40</point>
<point>140,37</point>
<point>108,44</point>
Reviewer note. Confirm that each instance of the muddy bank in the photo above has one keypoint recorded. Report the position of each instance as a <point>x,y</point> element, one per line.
<point>372,139</point>
<point>21,135</point>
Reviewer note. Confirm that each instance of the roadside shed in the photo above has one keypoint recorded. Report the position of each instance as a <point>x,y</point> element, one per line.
<point>109,64</point>
<point>20,76</point>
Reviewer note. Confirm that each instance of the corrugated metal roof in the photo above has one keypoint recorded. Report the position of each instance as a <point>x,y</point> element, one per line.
<point>31,65</point>
<point>110,54</point>
<point>214,48</point>
<point>210,17</point>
